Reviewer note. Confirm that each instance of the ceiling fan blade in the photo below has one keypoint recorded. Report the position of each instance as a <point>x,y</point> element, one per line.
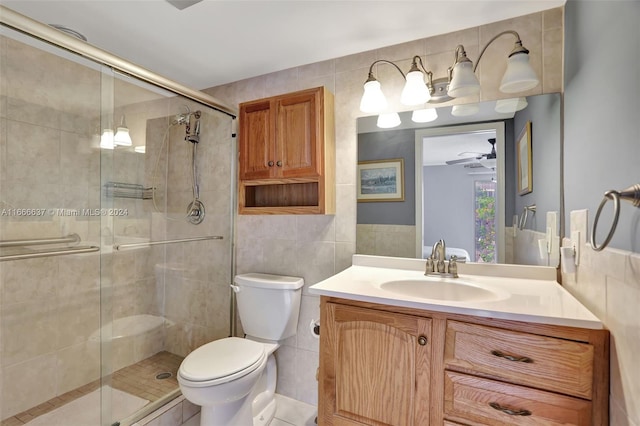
<point>460,161</point>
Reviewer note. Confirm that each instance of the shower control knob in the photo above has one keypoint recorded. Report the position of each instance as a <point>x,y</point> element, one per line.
<point>270,163</point>
<point>279,164</point>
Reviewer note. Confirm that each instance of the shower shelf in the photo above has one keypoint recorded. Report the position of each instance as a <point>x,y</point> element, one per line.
<point>127,190</point>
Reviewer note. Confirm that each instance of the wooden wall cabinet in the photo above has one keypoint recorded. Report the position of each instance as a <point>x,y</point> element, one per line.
<point>287,154</point>
<point>470,370</point>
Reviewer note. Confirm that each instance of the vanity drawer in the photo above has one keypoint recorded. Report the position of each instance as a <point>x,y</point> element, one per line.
<point>477,401</point>
<point>527,359</point>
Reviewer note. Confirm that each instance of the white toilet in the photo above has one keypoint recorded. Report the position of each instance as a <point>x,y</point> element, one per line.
<point>234,379</point>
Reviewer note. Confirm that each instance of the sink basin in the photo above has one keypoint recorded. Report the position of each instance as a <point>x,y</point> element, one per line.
<point>450,290</point>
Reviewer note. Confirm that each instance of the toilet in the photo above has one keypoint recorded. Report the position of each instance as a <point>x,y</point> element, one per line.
<point>233,380</point>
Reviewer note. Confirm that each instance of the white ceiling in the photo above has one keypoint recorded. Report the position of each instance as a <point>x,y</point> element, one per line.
<point>215,41</point>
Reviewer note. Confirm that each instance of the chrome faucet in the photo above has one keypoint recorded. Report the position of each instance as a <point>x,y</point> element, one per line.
<point>436,262</point>
<point>438,254</point>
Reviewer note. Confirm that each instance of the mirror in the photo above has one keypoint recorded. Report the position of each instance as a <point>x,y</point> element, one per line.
<point>454,188</point>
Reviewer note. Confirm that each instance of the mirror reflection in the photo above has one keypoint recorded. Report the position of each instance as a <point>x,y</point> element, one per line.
<point>487,183</point>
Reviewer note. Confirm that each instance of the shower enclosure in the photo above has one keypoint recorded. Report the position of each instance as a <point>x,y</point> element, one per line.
<point>115,253</point>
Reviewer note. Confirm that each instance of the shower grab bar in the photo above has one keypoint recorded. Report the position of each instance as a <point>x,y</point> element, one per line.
<point>162,242</point>
<point>48,253</point>
<point>631,194</point>
<point>71,238</point>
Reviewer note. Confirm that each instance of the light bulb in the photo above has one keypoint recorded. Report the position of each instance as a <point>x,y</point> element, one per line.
<point>424,115</point>
<point>464,81</point>
<point>519,75</point>
<point>415,91</point>
<point>373,100</point>
<point>106,140</point>
<point>122,137</point>
<point>388,120</point>
<point>465,110</point>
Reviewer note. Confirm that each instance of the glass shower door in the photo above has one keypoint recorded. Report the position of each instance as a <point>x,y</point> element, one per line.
<point>94,334</point>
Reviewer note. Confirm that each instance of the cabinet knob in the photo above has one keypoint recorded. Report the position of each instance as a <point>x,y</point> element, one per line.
<point>422,340</point>
<point>279,164</point>
<point>270,163</point>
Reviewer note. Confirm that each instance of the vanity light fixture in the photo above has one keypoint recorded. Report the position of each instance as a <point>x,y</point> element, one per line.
<point>425,115</point>
<point>388,120</point>
<point>461,79</point>
<point>511,105</point>
<point>106,139</point>
<point>465,110</point>
<point>122,136</point>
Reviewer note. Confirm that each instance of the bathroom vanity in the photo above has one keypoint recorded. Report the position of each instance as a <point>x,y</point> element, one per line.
<point>502,345</point>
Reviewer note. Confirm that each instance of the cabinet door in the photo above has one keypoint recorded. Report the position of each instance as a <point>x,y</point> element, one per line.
<point>298,138</point>
<point>255,142</point>
<point>377,367</point>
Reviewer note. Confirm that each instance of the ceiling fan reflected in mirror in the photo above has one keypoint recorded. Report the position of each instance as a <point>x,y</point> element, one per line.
<point>479,160</point>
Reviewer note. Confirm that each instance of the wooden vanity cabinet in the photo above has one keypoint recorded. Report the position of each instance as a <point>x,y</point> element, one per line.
<point>376,367</point>
<point>483,371</point>
<point>286,161</point>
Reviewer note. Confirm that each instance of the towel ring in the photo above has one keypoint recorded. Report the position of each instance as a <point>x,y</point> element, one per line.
<point>631,194</point>
<point>609,195</point>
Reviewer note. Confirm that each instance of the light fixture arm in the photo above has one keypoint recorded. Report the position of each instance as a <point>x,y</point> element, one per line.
<point>460,55</point>
<point>414,67</point>
<point>517,48</point>
<point>371,76</point>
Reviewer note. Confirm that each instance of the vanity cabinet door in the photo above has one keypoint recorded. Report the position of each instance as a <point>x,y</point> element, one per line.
<point>376,367</point>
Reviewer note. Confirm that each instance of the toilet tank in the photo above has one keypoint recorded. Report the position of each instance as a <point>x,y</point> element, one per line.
<point>268,305</point>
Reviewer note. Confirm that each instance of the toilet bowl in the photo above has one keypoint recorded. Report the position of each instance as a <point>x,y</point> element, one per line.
<point>234,379</point>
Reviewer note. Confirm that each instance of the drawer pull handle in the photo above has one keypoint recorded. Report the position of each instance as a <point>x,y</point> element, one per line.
<point>509,411</point>
<point>422,340</point>
<point>270,163</point>
<point>512,358</point>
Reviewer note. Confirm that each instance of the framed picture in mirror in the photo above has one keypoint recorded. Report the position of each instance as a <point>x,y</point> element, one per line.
<point>381,180</point>
<point>524,160</point>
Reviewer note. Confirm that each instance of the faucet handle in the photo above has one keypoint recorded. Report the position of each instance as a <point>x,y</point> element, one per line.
<point>453,265</point>
<point>429,266</point>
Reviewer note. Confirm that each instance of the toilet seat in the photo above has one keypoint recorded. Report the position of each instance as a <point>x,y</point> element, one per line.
<point>221,361</point>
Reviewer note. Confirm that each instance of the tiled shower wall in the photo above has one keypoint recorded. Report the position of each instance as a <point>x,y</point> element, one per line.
<point>316,247</point>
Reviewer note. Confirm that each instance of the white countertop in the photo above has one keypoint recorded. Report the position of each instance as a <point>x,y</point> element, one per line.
<point>525,293</point>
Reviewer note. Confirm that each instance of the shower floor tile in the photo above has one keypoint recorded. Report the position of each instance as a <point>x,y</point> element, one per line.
<point>138,379</point>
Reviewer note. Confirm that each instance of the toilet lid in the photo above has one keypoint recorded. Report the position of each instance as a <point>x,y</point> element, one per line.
<point>221,358</point>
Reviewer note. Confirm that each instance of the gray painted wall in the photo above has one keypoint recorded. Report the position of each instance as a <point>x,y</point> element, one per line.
<point>384,145</point>
<point>602,112</point>
<point>544,114</point>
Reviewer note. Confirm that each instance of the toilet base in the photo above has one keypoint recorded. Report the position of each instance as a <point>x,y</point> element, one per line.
<point>266,415</point>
